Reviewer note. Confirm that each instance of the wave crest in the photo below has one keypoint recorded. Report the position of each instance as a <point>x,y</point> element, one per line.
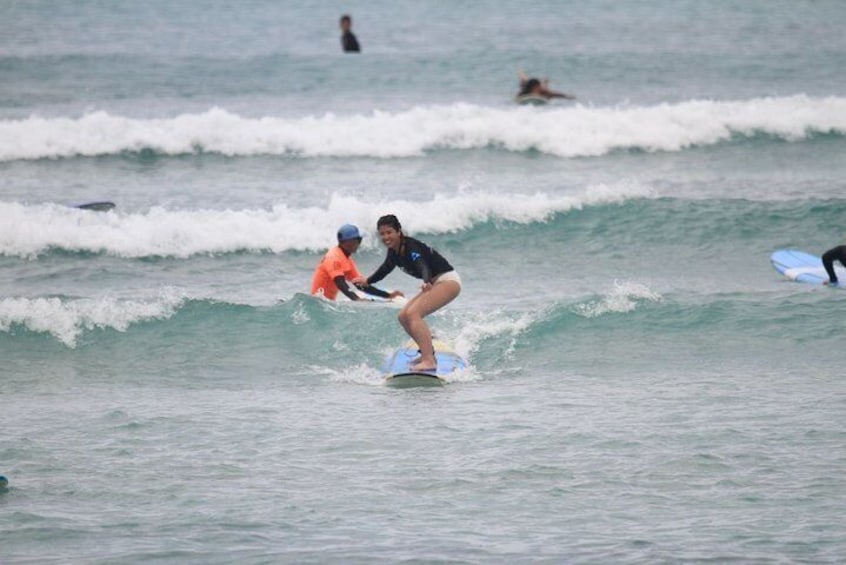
<point>573,131</point>
<point>27,231</point>
<point>67,319</point>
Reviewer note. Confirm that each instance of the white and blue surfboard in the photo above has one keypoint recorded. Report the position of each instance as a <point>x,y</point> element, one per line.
<point>364,299</point>
<point>398,372</point>
<point>531,100</point>
<point>803,267</point>
<point>399,301</point>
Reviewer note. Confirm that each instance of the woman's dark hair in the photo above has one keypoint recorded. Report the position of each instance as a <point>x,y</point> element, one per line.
<point>527,86</point>
<point>389,220</point>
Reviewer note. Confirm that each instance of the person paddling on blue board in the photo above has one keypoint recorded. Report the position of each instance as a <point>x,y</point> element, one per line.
<point>441,284</point>
<point>531,87</point>
<point>829,257</point>
<point>337,267</point>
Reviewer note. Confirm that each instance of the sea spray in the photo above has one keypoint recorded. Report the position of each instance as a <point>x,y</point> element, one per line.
<point>30,230</point>
<point>66,319</point>
<point>576,131</point>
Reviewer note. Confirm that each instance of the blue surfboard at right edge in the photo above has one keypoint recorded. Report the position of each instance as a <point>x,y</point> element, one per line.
<point>803,267</point>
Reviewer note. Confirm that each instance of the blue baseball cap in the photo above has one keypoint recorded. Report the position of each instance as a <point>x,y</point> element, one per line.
<point>347,232</point>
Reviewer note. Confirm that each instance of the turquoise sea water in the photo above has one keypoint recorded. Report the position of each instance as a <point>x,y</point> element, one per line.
<point>644,387</point>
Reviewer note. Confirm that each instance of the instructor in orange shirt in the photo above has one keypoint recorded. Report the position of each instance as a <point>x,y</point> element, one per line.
<point>337,268</point>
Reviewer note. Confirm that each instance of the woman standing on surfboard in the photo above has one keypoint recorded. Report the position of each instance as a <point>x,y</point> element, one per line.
<point>441,284</point>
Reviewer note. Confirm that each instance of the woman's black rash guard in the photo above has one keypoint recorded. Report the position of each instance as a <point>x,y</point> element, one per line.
<point>414,258</point>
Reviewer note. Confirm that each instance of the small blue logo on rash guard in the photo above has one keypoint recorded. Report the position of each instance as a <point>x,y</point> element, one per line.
<point>415,256</point>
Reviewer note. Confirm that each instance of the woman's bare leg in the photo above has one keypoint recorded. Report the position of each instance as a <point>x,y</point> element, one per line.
<point>411,319</point>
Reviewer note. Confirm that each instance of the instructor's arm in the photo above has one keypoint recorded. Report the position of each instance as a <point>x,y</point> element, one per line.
<point>342,285</point>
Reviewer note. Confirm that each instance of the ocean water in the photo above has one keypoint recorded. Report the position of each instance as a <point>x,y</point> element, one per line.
<point>643,386</point>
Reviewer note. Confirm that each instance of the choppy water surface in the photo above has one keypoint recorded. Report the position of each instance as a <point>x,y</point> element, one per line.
<point>643,385</point>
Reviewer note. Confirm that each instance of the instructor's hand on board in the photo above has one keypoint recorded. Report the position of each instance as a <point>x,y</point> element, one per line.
<point>395,294</point>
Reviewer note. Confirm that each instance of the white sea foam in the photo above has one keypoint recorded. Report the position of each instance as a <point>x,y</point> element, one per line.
<point>567,131</point>
<point>27,231</point>
<point>624,297</point>
<point>485,325</point>
<point>466,337</point>
<point>363,374</point>
<point>66,319</point>
<point>357,374</point>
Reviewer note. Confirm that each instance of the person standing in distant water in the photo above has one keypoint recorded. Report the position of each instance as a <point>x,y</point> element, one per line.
<point>348,41</point>
<point>829,257</point>
<point>538,88</point>
<point>441,284</point>
<point>337,267</point>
